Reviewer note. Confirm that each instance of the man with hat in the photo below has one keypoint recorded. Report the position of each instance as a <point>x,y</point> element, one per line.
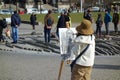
<point>83,52</point>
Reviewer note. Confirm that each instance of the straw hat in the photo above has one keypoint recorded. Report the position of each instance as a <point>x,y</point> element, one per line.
<point>85,28</point>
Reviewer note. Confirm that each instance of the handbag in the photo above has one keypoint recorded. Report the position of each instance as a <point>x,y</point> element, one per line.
<point>74,61</point>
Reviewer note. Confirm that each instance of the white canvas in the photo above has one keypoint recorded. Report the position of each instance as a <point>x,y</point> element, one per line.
<point>64,35</point>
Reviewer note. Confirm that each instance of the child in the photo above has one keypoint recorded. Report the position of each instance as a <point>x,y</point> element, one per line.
<point>99,23</point>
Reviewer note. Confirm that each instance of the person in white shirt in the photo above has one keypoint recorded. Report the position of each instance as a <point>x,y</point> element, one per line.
<point>83,65</point>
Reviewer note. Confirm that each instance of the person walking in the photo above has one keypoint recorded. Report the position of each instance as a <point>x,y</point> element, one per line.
<point>33,20</point>
<point>107,20</point>
<point>99,23</point>
<point>15,23</point>
<point>82,52</point>
<point>48,22</point>
<point>115,21</point>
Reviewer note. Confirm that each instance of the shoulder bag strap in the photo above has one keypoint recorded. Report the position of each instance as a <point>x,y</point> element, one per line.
<point>81,53</point>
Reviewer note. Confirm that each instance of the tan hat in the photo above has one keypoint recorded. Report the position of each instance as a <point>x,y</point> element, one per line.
<point>85,28</point>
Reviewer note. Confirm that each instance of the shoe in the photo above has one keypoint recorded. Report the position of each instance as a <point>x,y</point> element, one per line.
<point>14,42</point>
<point>116,33</point>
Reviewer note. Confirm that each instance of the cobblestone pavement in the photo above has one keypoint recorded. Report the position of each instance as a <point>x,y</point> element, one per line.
<point>27,41</point>
<point>32,65</point>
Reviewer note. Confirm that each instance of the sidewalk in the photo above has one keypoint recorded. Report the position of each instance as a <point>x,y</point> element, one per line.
<point>20,65</point>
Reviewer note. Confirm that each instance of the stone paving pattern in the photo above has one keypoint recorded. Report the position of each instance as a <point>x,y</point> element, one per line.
<point>36,42</point>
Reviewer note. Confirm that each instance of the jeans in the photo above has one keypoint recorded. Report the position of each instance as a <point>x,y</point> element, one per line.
<point>107,28</point>
<point>14,34</point>
<point>98,30</point>
<point>1,33</point>
<point>115,27</point>
<point>47,33</point>
<point>57,33</point>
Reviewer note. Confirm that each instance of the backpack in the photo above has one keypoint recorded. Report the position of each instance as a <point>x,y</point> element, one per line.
<point>49,22</point>
<point>4,23</point>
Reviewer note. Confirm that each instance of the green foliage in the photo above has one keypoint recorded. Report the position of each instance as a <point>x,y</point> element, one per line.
<point>4,16</point>
<point>76,17</point>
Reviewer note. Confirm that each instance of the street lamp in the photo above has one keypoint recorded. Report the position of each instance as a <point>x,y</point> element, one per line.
<point>70,2</point>
<point>81,4</point>
<point>40,6</point>
<point>10,6</point>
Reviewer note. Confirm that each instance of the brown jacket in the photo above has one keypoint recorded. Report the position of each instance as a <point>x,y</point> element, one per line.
<point>48,16</point>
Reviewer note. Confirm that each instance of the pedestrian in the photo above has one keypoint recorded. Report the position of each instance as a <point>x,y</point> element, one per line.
<point>48,23</point>
<point>84,47</point>
<point>107,20</point>
<point>15,23</point>
<point>3,25</point>
<point>70,24</point>
<point>99,23</point>
<point>115,21</point>
<point>67,19</point>
<point>60,23</point>
<point>88,15</point>
<point>33,20</point>
<point>1,31</point>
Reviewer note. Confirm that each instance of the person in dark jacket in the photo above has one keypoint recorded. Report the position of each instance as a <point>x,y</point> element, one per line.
<point>33,20</point>
<point>15,23</point>
<point>67,19</point>
<point>99,23</point>
<point>88,15</point>
<point>115,21</point>
<point>60,23</point>
<point>1,31</point>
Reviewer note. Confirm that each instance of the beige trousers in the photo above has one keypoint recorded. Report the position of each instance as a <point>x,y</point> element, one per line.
<point>81,72</point>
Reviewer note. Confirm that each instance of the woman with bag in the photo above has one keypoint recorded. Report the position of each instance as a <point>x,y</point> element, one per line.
<point>83,52</point>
